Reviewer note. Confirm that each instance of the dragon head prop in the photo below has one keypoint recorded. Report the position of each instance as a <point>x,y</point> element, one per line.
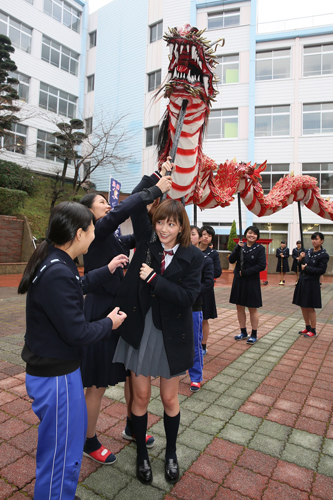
<point>192,63</point>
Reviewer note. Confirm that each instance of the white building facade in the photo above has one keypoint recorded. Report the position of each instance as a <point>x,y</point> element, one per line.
<point>275,98</point>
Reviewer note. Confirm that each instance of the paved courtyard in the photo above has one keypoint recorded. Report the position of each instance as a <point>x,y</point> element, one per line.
<point>261,427</point>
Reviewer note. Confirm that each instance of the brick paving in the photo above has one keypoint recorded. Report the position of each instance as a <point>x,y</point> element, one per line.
<point>261,427</point>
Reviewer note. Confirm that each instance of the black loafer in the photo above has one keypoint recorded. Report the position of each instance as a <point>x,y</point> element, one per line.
<point>144,472</point>
<point>171,470</point>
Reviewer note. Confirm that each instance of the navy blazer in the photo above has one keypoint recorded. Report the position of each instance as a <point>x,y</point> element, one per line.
<point>214,255</point>
<point>316,264</point>
<point>56,326</point>
<point>170,296</point>
<point>254,261</point>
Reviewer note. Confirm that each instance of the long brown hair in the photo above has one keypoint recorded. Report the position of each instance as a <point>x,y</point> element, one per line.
<point>174,210</point>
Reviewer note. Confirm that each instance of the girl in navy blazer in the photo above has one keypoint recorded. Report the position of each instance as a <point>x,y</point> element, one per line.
<point>158,292</point>
<point>307,293</point>
<point>56,332</point>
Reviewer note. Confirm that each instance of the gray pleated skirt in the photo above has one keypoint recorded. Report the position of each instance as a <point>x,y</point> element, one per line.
<point>150,359</point>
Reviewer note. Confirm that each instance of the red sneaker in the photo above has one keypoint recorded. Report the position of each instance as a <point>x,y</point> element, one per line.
<point>102,456</point>
<point>195,386</point>
<point>150,440</point>
<point>303,331</point>
<point>310,334</point>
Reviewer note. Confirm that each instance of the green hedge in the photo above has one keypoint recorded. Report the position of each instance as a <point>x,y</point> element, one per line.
<point>10,199</point>
<point>13,176</point>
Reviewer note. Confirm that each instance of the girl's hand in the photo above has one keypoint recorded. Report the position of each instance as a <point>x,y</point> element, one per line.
<point>167,167</point>
<point>145,271</point>
<point>303,266</point>
<point>241,243</point>
<point>165,183</point>
<point>120,261</point>
<point>117,317</point>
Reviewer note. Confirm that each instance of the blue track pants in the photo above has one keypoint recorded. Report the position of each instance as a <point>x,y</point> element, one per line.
<point>60,406</point>
<point>196,371</point>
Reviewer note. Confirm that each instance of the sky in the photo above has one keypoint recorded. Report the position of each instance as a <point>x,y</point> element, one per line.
<point>270,10</point>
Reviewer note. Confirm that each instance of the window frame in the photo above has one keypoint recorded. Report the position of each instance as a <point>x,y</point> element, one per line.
<point>66,9</point>
<point>10,24</point>
<point>224,15</point>
<point>51,143</point>
<point>15,135</point>
<point>272,115</point>
<point>155,75</point>
<point>321,111</point>
<point>222,65</point>
<point>272,59</point>
<point>92,39</point>
<point>270,172</point>
<point>91,83</point>
<point>154,130</point>
<point>318,173</point>
<point>18,75</point>
<point>223,120</point>
<point>88,125</point>
<point>159,31</point>
<point>72,56</point>
<point>321,54</point>
<point>59,95</point>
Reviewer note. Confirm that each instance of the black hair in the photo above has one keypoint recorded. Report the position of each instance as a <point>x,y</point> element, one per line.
<point>317,233</point>
<point>254,229</point>
<point>65,219</point>
<point>283,242</point>
<point>209,230</point>
<point>88,199</point>
<point>298,242</point>
<point>198,230</point>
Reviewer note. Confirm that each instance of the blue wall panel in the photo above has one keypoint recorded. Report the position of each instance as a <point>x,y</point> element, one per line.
<point>120,81</point>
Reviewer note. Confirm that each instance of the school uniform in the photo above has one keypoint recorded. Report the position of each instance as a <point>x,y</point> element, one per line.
<point>56,332</point>
<point>246,290</point>
<point>296,253</point>
<point>307,291</point>
<point>285,264</point>
<point>207,283</point>
<point>209,304</point>
<point>96,367</point>
<point>159,325</point>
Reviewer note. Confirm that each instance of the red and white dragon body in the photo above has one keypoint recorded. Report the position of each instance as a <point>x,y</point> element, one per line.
<point>198,178</point>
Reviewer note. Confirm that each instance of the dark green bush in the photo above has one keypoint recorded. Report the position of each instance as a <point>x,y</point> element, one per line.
<point>233,234</point>
<point>10,199</point>
<point>13,176</point>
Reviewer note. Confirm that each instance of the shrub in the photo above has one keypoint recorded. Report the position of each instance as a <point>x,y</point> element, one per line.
<point>13,176</point>
<point>10,199</point>
<point>233,234</point>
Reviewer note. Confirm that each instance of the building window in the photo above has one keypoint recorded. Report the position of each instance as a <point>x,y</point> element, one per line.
<point>273,64</point>
<point>318,118</point>
<point>154,80</point>
<point>64,13</point>
<point>156,31</point>
<point>86,170</point>
<point>59,56</point>
<point>228,69</point>
<point>223,124</point>
<point>92,39</point>
<point>88,125</point>
<point>276,232</point>
<point>57,101</point>
<point>45,140</point>
<point>90,83</point>
<point>318,60</point>
<point>19,33</point>
<point>15,141</point>
<point>323,172</point>
<point>272,174</point>
<point>22,87</point>
<point>272,121</point>
<point>151,136</point>
<point>226,19</point>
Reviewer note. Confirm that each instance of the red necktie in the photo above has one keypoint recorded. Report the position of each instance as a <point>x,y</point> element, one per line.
<point>166,252</point>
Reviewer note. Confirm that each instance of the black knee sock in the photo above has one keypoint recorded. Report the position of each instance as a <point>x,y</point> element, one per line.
<point>254,333</point>
<point>140,428</point>
<point>171,426</point>
<point>244,331</point>
<point>91,444</point>
<point>204,346</point>
<point>129,426</point>
<point>313,330</point>
<point>308,327</point>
